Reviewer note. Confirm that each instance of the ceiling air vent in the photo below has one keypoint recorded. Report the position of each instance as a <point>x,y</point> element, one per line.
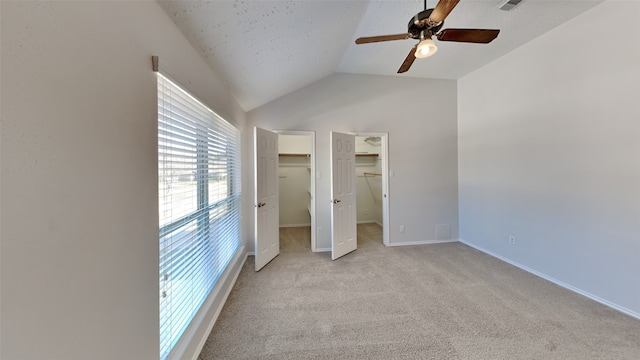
<point>509,4</point>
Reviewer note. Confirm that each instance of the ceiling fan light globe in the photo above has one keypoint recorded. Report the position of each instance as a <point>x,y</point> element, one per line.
<point>425,49</point>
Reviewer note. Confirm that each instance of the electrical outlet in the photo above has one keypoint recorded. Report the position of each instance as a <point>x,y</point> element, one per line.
<point>401,228</point>
<point>319,230</point>
<point>512,240</point>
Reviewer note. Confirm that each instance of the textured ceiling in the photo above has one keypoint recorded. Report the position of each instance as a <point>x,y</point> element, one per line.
<point>266,49</point>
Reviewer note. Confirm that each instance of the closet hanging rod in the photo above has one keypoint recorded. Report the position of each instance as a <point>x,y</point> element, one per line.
<point>299,155</point>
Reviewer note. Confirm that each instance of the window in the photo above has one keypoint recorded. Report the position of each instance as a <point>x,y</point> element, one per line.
<point>199,205</point>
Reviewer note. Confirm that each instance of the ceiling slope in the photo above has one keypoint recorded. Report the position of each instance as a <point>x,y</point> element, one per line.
<point>266,49</point>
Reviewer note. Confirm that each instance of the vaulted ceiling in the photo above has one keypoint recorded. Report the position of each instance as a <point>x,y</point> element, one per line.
<point>266,49</point>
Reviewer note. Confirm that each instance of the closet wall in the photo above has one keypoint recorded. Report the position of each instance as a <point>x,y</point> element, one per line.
<point>423,193</point>
<point>294,180</point>
<point>368,180</point>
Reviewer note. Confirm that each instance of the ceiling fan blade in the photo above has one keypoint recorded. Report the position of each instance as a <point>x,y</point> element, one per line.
<point>442,10</point>
<point>408,61</point>
<point>372,39</point>
<point>480,36</point>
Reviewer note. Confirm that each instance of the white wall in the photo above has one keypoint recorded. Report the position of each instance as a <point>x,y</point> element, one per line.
<point>549,151</point>
<point>79,252</point>
<point>420,116</point>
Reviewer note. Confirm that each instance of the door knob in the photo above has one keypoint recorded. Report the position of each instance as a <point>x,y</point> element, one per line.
<point>335,201</point>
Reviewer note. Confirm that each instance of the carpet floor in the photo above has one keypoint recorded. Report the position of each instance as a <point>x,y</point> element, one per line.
<point>440,301</point>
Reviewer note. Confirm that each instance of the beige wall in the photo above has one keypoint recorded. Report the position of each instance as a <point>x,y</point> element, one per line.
<point>368,188</point>
<point>294,180</point>
<point>79,250</point>
<point>549,151</point>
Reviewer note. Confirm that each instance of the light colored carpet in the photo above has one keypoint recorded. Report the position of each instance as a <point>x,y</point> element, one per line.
<point>441,301</point>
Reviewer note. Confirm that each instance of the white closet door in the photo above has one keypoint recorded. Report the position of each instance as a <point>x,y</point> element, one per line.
<point>267,227</point>
<point>343,195</point>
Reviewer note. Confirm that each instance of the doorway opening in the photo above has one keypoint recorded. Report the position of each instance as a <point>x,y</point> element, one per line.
<point>354,158</point>
<point>371,167</point>
<point>296,181</point>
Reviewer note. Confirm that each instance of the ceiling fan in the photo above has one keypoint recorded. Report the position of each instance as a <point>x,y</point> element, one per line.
<point>426,24</point>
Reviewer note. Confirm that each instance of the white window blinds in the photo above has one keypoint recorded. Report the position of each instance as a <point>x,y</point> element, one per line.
<point>199,204</point>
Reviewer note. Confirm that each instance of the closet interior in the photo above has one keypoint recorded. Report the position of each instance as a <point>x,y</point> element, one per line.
<point>294,174</point>
<point>368,180</point>
<point>295,180</point>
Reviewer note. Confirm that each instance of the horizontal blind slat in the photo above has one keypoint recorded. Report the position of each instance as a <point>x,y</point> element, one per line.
<point>199,197</point>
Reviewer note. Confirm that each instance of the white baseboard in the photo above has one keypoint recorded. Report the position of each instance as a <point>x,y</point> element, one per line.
<point>421,242</point>
<point>379,223</point>
<point>251,253</point>
<point>602,301</point>
<point>194,338</point>
<point>323,249</point>
<point>294,225</point>
<point>366,222</point>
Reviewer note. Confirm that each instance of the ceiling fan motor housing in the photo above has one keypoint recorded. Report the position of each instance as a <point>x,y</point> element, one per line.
<point>418,23</point>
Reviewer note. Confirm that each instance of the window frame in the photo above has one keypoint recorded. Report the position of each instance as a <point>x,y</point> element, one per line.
<point>217,221</point>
